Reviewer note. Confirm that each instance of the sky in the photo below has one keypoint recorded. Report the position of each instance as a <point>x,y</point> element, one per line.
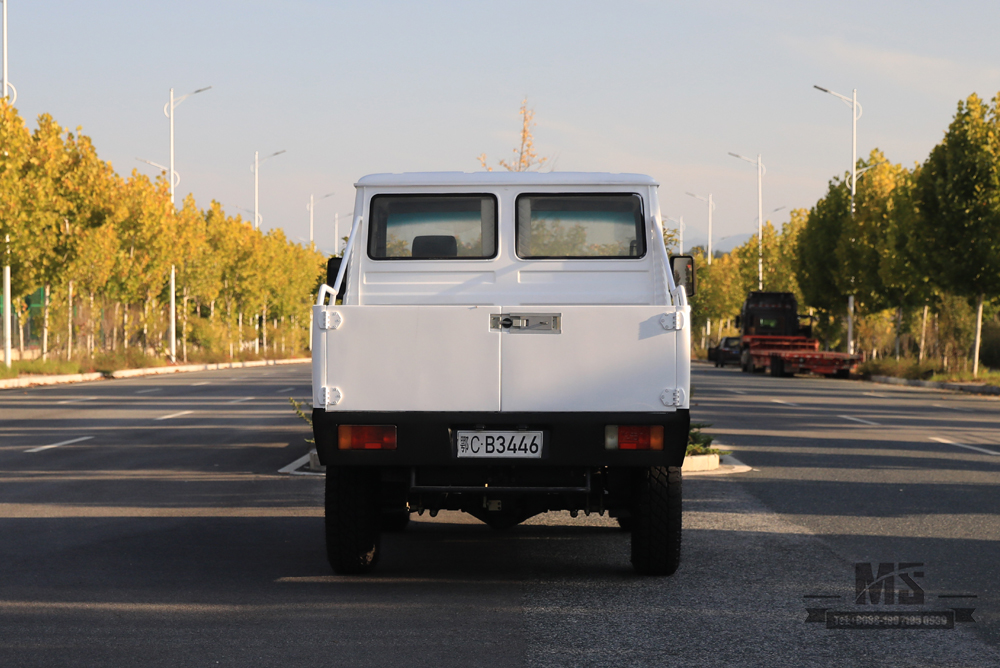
<point>351,88</point>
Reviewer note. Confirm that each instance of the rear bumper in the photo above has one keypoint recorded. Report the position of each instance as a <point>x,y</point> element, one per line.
<point>573,439</point>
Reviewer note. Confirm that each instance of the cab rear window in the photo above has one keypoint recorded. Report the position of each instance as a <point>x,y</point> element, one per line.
<point>432,227</point>
<point>580,226</point>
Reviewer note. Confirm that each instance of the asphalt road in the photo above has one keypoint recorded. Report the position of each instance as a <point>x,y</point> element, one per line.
<point>169,538</point>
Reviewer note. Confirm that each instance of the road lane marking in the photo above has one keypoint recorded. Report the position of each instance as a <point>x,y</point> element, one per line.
<point>285,389</point>
<point>301,461</point>
<point>204,382</point>
<point>76,401</point>
<point>963,445</point>
<point>729,389</point>
<point>861,420</point>
<point>787,403</point>
<point>155,389</point>
<point>953,408</point>
<point>173,415</point>
<point>56,445</point>
<point>875,394</point>
<point>240,401</point>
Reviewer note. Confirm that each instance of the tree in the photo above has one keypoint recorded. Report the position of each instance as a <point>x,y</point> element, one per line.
<point>526,158</point>
<point>958,195</point>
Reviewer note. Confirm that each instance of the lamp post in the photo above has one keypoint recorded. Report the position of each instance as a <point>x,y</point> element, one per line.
<point>856,112</point>
<point>7,306</point>
<point>680,233</point>
<point>312,204</point>
<point>256,184</point>
<point>168,111</point>
<point>760,216</point>
<point>711,206</point>
<point>177,177</point>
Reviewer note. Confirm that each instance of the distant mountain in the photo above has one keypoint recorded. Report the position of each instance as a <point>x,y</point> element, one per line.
<point>723,245</point>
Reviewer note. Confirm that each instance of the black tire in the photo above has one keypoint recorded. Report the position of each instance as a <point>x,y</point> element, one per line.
<point>777,367</point>
<point>395,520</point>
<point>842,373</point>
<point>625,523</point>
<point>353,517</point>
<point>656,521</point>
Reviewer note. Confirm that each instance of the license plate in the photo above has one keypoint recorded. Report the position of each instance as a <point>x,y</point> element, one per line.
<point>500,444</point>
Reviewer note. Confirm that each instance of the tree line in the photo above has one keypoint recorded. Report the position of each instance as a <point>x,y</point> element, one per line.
<point>920,253</point>
<point>90,254</point>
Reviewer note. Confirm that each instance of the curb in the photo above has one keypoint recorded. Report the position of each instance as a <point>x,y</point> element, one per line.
<point>728,464</point>
<point>30,381</point>
<point>937,385</point>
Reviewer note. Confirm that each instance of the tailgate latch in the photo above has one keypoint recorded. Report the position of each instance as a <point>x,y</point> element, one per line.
<point>672,321</point>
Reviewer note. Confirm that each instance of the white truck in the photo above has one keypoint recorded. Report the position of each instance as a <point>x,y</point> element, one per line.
<point>503,344</point>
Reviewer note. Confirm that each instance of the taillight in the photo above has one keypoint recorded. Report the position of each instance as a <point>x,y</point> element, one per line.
<point>633,437</point>
<point>366,437</point>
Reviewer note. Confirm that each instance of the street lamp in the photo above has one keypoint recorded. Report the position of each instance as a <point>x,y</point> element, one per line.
<point>856,112</point>
<point>680,233</point>
<point>256,182</point>
<point>312,204</point>
<point>760,216</point>
<point>177,177</point>
<point>168,111</point>
<point>6,265</point>
<point>711,206</point>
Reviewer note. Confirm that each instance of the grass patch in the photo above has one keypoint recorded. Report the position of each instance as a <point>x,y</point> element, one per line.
<point>700,443</point>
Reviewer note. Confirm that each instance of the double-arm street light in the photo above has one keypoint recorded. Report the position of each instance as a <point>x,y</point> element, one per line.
<point>7,307</point>
<point>680,233</point>
<point>760,216</point>
<point>312,204</point>
<point>177,177</point>
<point>711,206</point>
<point>256,184</point>
<point>856,112</point>
<point>168,111</point>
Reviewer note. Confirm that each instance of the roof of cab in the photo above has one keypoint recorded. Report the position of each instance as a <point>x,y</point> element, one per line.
<point>505,179</point>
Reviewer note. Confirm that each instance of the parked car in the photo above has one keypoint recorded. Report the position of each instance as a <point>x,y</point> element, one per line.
<point>728,350</point>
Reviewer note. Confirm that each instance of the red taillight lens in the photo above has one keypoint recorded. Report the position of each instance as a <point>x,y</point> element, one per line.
<point>366,437</point>
<point>634,437</point>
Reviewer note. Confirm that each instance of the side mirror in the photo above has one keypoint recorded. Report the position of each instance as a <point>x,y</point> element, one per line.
<point>332,269</point>
<point>683,268</point>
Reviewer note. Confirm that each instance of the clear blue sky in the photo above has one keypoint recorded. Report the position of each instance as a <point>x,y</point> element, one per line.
<point>348,89</point>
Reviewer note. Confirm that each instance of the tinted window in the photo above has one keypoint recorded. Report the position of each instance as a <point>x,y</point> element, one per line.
<point>580,226</point>
<point>432,227</point>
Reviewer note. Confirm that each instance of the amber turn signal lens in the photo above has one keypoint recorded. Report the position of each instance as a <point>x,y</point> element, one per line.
<point>366,437</point>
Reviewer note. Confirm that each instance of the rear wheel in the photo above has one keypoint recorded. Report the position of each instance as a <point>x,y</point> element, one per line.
<point>353,517</point>
<point>395,519</point>
<point>777,367</point>
<point>656,521</point>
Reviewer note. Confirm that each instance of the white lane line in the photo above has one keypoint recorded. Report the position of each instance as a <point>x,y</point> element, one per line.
<point>204,382</point>
<point>240,401</point>
<point>729,389</point>
<point>155,389</point>
<point>861,420</point>
<point>875,394</point>
<point>56,445</point>
<point>963,445</point>
<point>76,401</point>
<point>953,408</point>
<point>301,461</point>
<point>787,403</point>
<point>285,389</point>
<point>173,415</point>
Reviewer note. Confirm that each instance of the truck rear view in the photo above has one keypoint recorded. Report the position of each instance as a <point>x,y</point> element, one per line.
<point>506,345</point>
